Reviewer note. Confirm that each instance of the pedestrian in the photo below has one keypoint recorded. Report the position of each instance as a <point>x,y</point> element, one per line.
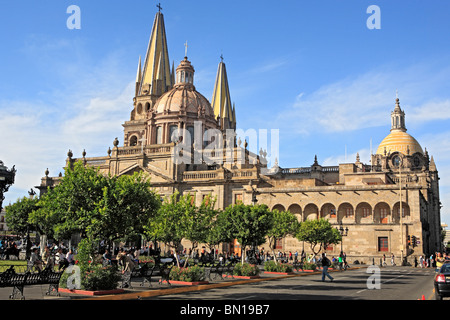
<point>325,264</point>
<point>421,261</point>
<point>439,261</point>
<point>393,260</point>
<point>384,261</point>
<point>340,261</point>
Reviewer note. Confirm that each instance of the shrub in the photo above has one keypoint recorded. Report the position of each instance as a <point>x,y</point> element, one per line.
<point>100,278</point>
<point>246,269</point>
<point>190,274</point>
<point>95,277</point>
<point>309,266</point>
<point>271,266</point>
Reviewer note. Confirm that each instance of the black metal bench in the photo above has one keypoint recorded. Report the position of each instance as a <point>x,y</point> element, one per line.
<point>297,265</point>
<point>229,268</point>
<point>215,268</point>
<point>146,272</point>
<point>162,270</point>
<point>18,281</point>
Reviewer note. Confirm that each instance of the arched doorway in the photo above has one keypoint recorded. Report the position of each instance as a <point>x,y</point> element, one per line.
<point>382,213</point>
<point>328,211</point>
<point>396,212</point>
<point>364,213</point>
<point>311,212</point>
<point>345,213</point>
<point>296,210</point>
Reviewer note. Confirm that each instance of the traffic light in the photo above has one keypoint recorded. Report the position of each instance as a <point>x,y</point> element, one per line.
<point>409,240</point>
<point>414,241</point>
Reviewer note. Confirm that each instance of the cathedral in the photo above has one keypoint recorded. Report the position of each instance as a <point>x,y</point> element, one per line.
<point>388,207</point>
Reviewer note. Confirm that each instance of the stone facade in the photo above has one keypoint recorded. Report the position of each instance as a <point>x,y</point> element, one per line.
<point>365,199</point>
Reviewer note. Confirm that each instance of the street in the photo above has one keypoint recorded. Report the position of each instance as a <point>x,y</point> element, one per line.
<point>395,283</point>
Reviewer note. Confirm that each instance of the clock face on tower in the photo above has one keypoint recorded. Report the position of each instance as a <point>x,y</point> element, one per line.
<point>396,161</point>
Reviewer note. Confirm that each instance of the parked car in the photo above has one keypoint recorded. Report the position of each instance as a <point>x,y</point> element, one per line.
<point>442,282</point>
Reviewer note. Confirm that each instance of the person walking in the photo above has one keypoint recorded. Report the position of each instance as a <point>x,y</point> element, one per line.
<point>325,264</point>
<point>393,260</point>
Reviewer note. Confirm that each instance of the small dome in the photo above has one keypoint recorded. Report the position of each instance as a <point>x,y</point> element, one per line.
<point>399,141</point>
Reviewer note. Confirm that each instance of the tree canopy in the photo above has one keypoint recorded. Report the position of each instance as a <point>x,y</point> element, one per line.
<point>97,206</point>
<point>284,223</point>
<point>248,224</point>
<point>318,233</point>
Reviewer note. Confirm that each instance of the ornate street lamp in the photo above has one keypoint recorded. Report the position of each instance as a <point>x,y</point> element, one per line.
<point>6,180</point>
<point>343,232</point>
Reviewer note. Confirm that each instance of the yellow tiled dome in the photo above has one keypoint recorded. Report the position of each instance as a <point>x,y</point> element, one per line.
<point>399,141</point>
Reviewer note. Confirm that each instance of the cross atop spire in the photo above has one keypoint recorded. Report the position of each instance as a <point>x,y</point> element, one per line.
<point>159,7</point>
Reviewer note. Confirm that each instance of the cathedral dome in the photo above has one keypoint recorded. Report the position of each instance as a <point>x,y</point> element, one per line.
<point>399,141</point>
<point>183,98</point>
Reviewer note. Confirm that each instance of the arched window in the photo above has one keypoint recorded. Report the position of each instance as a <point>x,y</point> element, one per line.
<point>158,135</point>
<point>173,133</point>
<point>190,129</point>
<point>133,141</point>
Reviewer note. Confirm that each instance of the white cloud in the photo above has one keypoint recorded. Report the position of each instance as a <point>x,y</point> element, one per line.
<point>366,101</point>
<point>85,112</point>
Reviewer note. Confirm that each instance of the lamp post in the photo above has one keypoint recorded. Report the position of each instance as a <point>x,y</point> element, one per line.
<point>343,232</point>
<point>6,180</point>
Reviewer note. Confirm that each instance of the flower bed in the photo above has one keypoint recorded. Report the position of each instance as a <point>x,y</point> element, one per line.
<point>309,267</point>
<point>277,268</point>
<point>93,278</point>
<point>246,270</point>
<point>194,274</point>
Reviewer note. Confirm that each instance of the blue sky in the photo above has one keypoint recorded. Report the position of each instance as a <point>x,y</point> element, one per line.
<point>311,69</point>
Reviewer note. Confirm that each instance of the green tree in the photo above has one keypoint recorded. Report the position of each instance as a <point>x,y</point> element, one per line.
<point>69,207</point>
<point>318,233</point>
<point>199,221</point>
<point>169,224</point>
<point>126,205</point>
<point>249,224</point>
<point>97,206</point>
<point>284,223</point>
<point>17,215</point>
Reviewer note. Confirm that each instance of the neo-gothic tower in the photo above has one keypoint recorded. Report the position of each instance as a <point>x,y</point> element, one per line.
<point>152,80</point>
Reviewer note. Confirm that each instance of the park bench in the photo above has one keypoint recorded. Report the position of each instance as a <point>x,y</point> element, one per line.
<point>228,268</point>
<point>162,270</point>
<point>297,265</point>
<point>146,271</point>
<point>215,268</point>
<point>18,281</point>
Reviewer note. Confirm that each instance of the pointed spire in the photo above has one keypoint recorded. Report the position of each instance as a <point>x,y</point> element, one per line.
<point>172,73</point>
<point>432,164</point>
<point>139,71</point>
<point>156,65</point>
<point>221,101</point>
<point>138,78</point>
<point>234,116</point>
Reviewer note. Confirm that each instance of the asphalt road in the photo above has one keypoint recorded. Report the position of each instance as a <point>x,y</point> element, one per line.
<point>391,283</point>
